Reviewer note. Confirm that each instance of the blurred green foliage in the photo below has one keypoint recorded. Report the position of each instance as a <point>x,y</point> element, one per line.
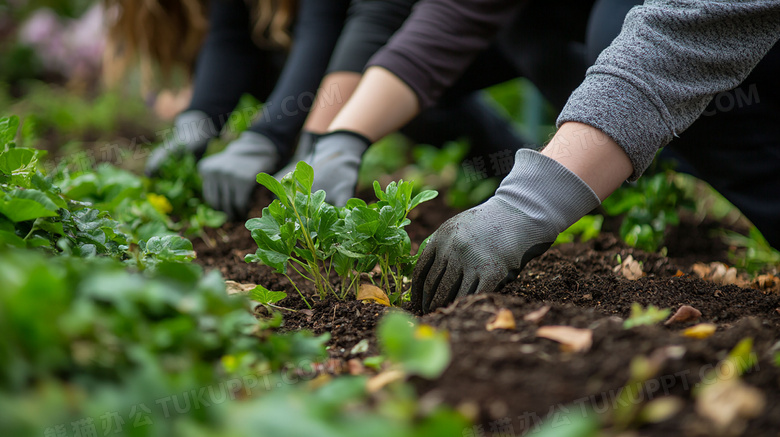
<point>139,341</point>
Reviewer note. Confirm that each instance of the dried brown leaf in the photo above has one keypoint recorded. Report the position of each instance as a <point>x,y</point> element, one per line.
<point>629,269</point>
<point>686,313</point>
<point>701,270</point>
<point>728,403</point>
<point>234,287</point>
<point>377,382</point>
<point>571,339</point>
<point>765,282</point>
<point>537,315</point>
<point>503,320</point>
<point>355,367</point>
<point>373,293</point>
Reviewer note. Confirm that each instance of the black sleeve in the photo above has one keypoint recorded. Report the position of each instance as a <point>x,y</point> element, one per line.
<point>229,63</point>
<point>317,29</point>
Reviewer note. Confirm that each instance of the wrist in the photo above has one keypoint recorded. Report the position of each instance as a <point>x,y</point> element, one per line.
<point>193,129</point>
<point>592,155</point>
<point>344,133</point>
<point>546,191</point>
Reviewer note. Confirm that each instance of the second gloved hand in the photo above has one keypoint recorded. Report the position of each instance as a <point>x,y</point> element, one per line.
<point>230,177</point>
<point>336,162</point>
<point>482,248</point>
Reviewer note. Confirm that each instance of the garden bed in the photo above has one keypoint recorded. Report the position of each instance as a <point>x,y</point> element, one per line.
<point>511,380</point>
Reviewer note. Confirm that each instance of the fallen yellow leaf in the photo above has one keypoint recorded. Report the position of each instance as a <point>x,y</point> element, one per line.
<point>700,331</point>
<point>503,320</point>
<point>373,293</point>
<point>571,339</point>
<point>424,331</point>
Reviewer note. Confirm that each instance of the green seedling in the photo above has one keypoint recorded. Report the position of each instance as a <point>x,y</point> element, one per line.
<point>588,228</point>
<point>266,297</point>
<point>751,252</point>
<point>300,232</point>
<point>645,316</point>
<point>649,206</point>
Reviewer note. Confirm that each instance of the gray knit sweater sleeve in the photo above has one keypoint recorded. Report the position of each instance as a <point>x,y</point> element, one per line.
<point>670,59</point>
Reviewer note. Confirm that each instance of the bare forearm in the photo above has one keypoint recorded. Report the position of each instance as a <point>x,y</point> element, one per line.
<point>381,104</point>
<point>590,154</point>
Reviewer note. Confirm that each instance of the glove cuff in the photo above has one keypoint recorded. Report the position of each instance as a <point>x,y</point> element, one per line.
<point>346,133</point>
<point>546,191</point>
<point>253,143</point>
<point>194,129</point>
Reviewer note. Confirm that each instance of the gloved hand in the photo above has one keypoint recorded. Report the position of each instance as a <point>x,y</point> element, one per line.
<point>336,162</point>
<point>302,153</point>
<point>186,137</point>
<point>484,247</point>
<point>229,177</point>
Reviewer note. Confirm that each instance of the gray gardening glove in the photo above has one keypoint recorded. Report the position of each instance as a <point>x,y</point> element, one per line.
<point>230,177</point>
<point>191,133</point>
<point>336,162</point>
<point>484,247</point>
<point>302,153</point>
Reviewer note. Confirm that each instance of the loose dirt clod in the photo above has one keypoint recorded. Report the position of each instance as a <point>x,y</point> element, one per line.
<point>686,313</point>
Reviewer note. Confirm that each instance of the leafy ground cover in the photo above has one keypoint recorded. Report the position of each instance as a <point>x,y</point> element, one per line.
<point>108,326</point>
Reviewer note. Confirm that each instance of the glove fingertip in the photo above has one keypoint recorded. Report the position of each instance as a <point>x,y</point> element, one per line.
<point>421,271</point>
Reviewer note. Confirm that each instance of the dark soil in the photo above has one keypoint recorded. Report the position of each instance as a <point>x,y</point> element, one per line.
<point>512,379</point>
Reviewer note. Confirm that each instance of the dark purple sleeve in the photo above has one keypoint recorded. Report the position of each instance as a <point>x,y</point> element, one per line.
<point>439,41</point>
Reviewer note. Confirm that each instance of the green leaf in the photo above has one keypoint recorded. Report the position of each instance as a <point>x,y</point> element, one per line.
<point>18,166</point>
<point>9,238</point>
<point>265,224</point>
<point>378,191</point>
<point>423,196</point>
<point>742,356</point>
<point>170,248</point>
<point>265,296</point>
<point>304,176</point>
<point>649,316</point>
<point>355,202</point>
<point>21,209</point>
<point>571,421</point>
<point>8,128</point>
<point>273,185</point>
<point>418,349</point>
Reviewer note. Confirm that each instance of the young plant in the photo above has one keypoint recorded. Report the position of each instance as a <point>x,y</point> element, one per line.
<point>645,316</point>
<point>649,205</point>
<point>301,232</point>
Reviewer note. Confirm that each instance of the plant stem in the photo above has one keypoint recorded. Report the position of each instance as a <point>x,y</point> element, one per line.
<point>302,275</point>
<point>299,291</point>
